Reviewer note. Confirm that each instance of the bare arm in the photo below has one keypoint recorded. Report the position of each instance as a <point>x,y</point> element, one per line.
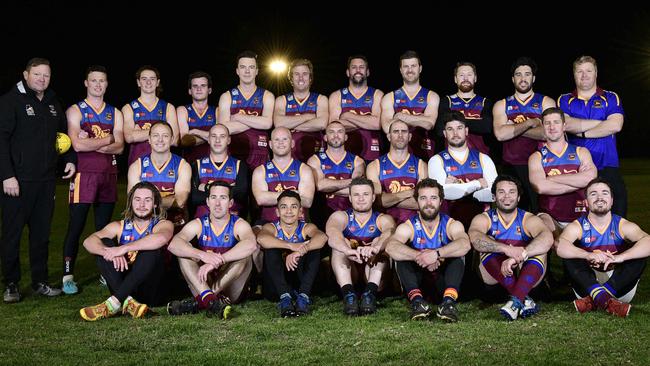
<point>542,236</point>
<point>484,243</point>
<point>540,182</point>
<point>280,118</point>
<point>427,120</point>
<point>263,122</point>
<point>504,129</point>
<point>585,174</point>
<point>182,116</point>
<point>387,111</point>
<point>324,184</point>
<point>537,133</point>
<point>370,121</point>
<point>132,133</point>
<point>183,185</point>
<point>459,246</point>
<point>173,122</point>
<point>595,128</point>
<point>267,240</point>
<point>93,243</point>
<point>246,245</point>
<point>319,122</point>
<point>117,147</point>
<point>334,229</point>
<point>261,192</point>
<point>133,176</point>
<point>160,235</point>
<point>224,115</point>
<point>317,238</point>
<point>306,186</point>
<point>396,246</point>
<point>386,224</point>
<point>180,245</point>
<point>565,248</point>
<point>633,233</point>
<point>79,144</point>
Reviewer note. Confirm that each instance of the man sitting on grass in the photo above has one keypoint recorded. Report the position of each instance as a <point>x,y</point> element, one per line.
<point>217,271</point>
<point>132,265</point>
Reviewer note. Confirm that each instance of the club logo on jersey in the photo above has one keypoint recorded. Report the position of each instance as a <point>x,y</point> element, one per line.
<point>226,238</point>
<point>171,174</point>
<point>109,116</point>
<point>572,156</point>
<point>598,104</point>
<point>145,162</point>
<point>411,169</point>
<point>586,226</point>
<point>535,106</point>
<point>29,110</point>
<point>135,105</point>
<point>128,226</point>
<point>348,165</point>
<point>446,156</point>
<point>473,164</point>
<point>292,173</point>
<point>228,170</point>
<point>519,230</point>
<point>371,228</point>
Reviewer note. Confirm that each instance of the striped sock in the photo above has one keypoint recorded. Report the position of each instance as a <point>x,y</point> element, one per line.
<point>600,295</point>
<point>450,293</point>
<point>205,297</point>
<point>492,264</point>
<point>414,294</point>
<point>531,272</point>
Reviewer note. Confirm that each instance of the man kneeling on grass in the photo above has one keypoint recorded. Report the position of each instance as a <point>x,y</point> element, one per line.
<point>218,270</point>
<point>295,245</point>
<point>132,265</point>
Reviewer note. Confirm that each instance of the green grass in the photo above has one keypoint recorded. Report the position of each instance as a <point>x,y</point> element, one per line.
<point>50,331</point>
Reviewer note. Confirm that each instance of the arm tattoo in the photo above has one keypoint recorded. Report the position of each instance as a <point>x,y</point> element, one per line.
<point>485,246</point>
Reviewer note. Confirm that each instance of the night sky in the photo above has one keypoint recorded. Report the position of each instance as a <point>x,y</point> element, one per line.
<point>183,38</point>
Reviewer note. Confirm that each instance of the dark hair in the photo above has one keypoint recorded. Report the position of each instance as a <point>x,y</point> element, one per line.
<point>506,178</point>
<point>553,110</point>
<point>138,73</point>
<point>362,181</point>
<point>524,61</point>
<point>453,116</point>
<point>361,57</point>
<point>158,211</point>
<point>36,61</point>
<point>218,183</point>
<point>428,183</point>
<point>289,193</point>
<point>409,54</point>
<point>160,123</point>
<point>246,54</point>
<point>196,75</point>
<point>96,68</point>
<point>600,180</point>
<point>464,63</point>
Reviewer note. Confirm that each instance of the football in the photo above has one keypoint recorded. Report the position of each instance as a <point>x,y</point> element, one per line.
<point>63,143</point>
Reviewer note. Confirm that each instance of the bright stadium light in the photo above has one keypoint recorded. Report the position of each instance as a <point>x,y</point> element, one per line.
<point>278,66</point>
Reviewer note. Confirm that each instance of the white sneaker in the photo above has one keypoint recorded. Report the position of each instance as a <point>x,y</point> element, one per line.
<point>511,309</point>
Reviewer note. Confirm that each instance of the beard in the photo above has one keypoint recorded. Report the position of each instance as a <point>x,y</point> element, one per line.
<point>426,216</point>
<point>144,217</point>
<point>466,87</point>
<point>335,144</point>
<point>599,211</point>
<point>456,144</point>
<point>358,82</point>
<point>504,209</point>
<point>362,209</point>
<point>521,90</point>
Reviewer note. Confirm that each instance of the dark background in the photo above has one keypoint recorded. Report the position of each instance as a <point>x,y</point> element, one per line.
<point>189,36</point>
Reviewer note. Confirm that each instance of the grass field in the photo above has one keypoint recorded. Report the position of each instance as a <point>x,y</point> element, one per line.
<point>50,331</point>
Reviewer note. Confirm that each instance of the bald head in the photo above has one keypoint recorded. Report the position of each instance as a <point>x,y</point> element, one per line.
<point>281,142</point>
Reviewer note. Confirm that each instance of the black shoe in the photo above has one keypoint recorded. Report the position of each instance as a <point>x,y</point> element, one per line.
<point>180,307</point>
<point>368,303</point>
<point>287,309</point>
<point>351,304</point>
<point>447,311</point>
<point>44,289</point>
<point>219,308</point>
<point>420,309</point>
<point>11,294</point>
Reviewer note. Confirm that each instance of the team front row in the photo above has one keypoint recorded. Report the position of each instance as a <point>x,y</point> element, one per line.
<point>604,254</point>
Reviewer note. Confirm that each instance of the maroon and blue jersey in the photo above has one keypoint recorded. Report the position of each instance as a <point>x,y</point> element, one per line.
<point>511,233</point>
<point>472,109</point>
<point>361,233</point>
<point>516,151</point>
<point>144,117</point>
<point>97,124</point>
<point>339,170</point>
<point>298,236</point>
<point>599,107</point>
<point>362,142</point>
<point>226,171</point>
<point>463,209</point>
<point>165,177</point>
<point>608,239</point>
<point>217,240</point>
<point>199,121</point>
<point>423,239</point>
<point>568,206</point>
<point>279,180</point>
<point>396,178</point>
<point>306,143</point>
<point>422,144</point>
<point>130,233</point>
<point>251,145</point>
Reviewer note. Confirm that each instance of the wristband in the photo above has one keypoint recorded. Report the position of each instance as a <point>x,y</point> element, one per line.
<point>438,253</point>
<point>583,135</point>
